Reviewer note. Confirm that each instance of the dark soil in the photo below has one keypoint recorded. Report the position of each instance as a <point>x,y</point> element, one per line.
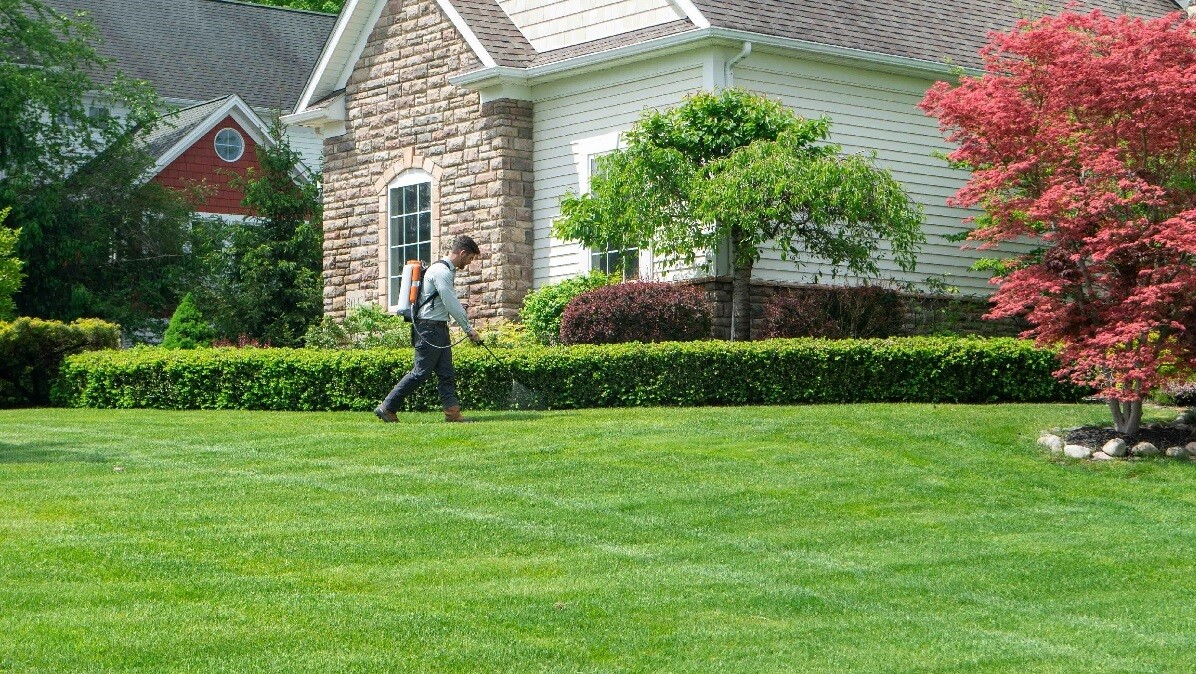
<point>1159,435</point>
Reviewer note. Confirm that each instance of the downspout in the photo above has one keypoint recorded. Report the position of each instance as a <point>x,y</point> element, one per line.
<point>729,81</point>
<point>728,74</point>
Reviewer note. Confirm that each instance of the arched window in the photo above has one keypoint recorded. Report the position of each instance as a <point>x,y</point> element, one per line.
<point>409,228</point>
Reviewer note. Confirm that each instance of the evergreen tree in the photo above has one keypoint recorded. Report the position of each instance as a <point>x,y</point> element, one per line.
<point>188,329</point>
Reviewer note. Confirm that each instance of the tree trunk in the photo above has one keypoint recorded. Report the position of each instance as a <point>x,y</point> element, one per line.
<point>1127,415</point>
<point>741,293</point>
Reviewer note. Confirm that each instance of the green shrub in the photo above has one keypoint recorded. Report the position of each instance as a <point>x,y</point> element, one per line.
<point>188,329</point>
<point>32,349</point>
<point>543,308</point>
<point>10,268</point>
<point>914,369</point>
<point>366,326</point>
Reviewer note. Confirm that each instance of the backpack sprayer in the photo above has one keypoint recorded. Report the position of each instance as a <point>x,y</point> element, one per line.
<point>522,397</point>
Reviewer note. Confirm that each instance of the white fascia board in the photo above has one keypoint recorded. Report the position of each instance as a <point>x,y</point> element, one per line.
<point>245,116</point>
<point>359,46</point>
<point>335,38</point>
<point>691,11</point>
<point>474,43</point>
<point>333,112</point>
<point>528,77</point>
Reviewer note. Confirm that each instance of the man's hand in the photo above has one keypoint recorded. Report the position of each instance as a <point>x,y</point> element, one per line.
<point>474,336</point>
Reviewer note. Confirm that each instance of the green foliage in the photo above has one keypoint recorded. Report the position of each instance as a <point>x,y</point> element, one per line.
<point>916,369</point>
<point>366,326</point>
<point>96,240</point>
<point>10,268</point>
<point>188,328</point>
<point>327,6</point>
<point>737,168</point>
<point>267,280</point>
<point>31,351</point>
<point>543,308</point>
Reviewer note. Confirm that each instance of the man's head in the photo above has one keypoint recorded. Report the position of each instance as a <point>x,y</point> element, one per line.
<point>463,251</point>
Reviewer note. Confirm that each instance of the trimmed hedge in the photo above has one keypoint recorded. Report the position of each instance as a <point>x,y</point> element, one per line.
<point>912,369</point>
<point>32,350</point>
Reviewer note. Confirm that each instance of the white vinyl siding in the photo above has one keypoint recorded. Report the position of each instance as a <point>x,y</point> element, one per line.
<point>308,144</point>
<point>568,117</point>
<point>875,112</point>
<point>554,24</point>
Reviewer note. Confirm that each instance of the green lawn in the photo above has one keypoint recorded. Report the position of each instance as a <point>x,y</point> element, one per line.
<point>862,538</point>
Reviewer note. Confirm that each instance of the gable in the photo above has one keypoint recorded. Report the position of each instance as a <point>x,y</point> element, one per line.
<point>200,164</point>
<point>555,24</point>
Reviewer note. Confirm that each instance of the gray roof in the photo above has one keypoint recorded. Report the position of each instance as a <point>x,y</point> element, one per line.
<point>930,30</point>
<point>198,50</point>
<point>175,126</point>
<point>505,43</point>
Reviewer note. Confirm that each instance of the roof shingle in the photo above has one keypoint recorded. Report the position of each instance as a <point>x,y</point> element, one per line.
<point>197,50</point>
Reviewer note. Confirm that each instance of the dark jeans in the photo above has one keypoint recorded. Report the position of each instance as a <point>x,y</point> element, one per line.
<point>432,354</point>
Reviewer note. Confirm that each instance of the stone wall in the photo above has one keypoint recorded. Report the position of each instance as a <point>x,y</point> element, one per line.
<point>404,114</point>
<point>924,314</point>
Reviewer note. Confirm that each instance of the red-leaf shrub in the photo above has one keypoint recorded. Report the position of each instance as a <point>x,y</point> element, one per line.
<point>856,311</point>
<point>640,311</point>
<point>1079,135</point>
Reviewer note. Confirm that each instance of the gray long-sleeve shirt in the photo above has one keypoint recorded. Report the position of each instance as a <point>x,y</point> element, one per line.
<point>441,277</point>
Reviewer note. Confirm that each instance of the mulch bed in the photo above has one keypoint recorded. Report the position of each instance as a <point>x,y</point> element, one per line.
<point>1159,435</point>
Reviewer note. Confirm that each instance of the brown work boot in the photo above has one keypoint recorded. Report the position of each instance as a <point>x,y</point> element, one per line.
<point>453,414</point>
<point>386,415</point>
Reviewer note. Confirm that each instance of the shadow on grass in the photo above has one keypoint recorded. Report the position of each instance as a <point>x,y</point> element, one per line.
<point>46,452</point>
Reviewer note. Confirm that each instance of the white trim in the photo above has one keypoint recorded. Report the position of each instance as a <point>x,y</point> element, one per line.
<point>409,177</point>
<point>412,176</point>
<point>240,142</point>
<point>584,150</point>
<point>528,77</point>
<point>359,46</point>
<point>692,12</point>
<point>467,33</point>
<point>330,47</point>
<point>242,113</point>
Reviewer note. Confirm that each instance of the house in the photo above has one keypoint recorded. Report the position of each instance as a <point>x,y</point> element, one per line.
<point>441,117</point>
<point>224,69</point>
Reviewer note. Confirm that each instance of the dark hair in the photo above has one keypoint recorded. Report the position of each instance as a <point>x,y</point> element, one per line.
<point>466,244</point>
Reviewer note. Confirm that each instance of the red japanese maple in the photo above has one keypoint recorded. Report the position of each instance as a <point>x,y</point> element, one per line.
<point>1081,138</point>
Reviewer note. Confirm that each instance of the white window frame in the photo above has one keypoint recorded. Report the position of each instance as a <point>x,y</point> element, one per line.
<point>216,144</point>
<point>408,178</point>
<point>585,151</point>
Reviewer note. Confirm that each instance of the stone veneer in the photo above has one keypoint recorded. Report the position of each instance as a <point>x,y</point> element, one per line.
<point>404,114</point>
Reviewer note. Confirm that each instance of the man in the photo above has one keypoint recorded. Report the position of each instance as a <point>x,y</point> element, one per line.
<point>430,335</point>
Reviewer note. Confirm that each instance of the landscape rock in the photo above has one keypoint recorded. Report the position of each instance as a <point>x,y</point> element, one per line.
<point>1101,456</point>
<point>1054,443</point>
<point>1191,447</point>
<point>1144,449</point>
<point>1115,447</point>
<point>1077,451</point>
<point>1176,452</point>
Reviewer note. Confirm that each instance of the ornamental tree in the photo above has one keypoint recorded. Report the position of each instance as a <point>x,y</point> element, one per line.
<point>1081,137</point>
<point>738,168</point>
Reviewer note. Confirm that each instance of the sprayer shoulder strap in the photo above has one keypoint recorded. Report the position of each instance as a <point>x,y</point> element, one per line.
<point>419,307</point>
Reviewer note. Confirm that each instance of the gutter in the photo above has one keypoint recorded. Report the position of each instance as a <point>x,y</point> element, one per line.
<point>487,77</point>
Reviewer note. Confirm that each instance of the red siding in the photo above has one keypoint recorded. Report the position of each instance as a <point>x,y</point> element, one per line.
<point>198,164</point>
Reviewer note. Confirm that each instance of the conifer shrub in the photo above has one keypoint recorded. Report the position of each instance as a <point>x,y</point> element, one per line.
<point>188,329</point>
